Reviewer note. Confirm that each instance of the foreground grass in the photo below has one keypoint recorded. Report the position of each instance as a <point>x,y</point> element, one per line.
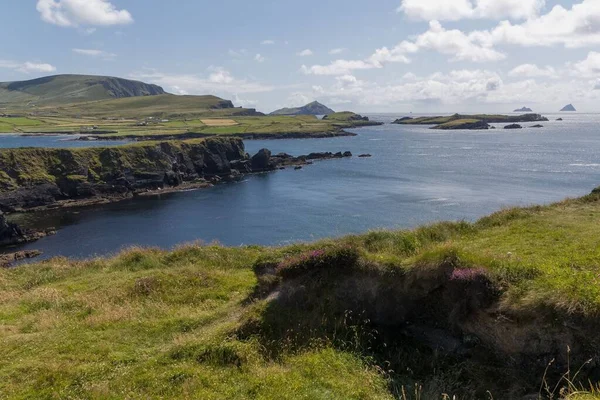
<point>155,324</point>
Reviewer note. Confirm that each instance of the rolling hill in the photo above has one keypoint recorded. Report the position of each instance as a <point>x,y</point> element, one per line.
<point>164,105</point>
<point>65,89</point>
<point>314,108</point>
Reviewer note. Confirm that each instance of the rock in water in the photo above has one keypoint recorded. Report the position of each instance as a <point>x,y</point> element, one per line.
<point>262,160</point>
<point>524,109</point>
<point>7,259</point>
<point>10,233</point>
<point>568,107</point>
<point>513,126</point>
<point>538,126</point>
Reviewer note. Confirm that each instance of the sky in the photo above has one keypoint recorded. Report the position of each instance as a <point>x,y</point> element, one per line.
<point>377,56</point>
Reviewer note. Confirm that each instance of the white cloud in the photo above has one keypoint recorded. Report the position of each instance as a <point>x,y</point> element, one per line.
<point>237,53</point>
<point>472,88</point>
<point>73,13</point>
<point>94,53</point>
<point>454,10</point>
<point>219,81</point>
<point>339,50</point>
<point>575,27</point>
<point>338,67</point>
<point>462,47</point>
<point>27,67</point>
<point>259,58</point>
<point>267,42</point>
<point>305,53</point>
<point>588,68</point>
<point>455,43</point>
<point>532,71</point>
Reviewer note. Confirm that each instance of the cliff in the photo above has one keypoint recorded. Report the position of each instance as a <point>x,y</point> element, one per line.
<point>35,177</point>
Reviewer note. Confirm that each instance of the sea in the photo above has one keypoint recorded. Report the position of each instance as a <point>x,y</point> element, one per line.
<point>414,176</point>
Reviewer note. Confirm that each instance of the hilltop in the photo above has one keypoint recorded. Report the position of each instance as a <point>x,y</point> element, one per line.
<point>314,108</point>
<point>65,89</point>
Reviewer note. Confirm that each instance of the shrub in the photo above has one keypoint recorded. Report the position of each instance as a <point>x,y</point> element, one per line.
<point>333,258</point>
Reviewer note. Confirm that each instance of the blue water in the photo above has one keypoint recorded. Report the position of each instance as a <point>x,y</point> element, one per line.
<point>416,175</point>
<point>54,141</point>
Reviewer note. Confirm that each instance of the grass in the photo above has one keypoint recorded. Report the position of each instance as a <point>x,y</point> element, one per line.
<point>211,122</point>
<point>149,323</point>
<point>17,124</point>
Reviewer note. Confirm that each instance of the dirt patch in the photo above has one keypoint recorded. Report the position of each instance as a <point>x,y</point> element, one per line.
<point>219,122</point>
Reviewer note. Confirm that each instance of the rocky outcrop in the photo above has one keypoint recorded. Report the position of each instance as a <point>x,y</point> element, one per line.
<point>467,124</point>
<point>513,126</point>
<point>538,126</point>
<point>523,109</point>
<point>11,234</point>
<point>6,260</point>
<point>37,178</point>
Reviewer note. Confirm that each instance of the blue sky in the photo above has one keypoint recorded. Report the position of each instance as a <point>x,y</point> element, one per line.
<point>384,55</point>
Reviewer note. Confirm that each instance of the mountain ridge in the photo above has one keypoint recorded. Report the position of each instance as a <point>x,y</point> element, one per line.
<point>73,88</point>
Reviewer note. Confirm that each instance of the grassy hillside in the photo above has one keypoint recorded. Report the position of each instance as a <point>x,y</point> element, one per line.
<point>63,89</point>
<point>361,317</point>
<point>199,121</point>
<point>166,105</point>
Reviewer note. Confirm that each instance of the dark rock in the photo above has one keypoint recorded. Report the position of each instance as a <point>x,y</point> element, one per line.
<point>513,126</point>
<point>298,167</point>
<point>365,156</point>
<point>559,119</point>
<point>10,233</point>
<point>538,126</point>
<point>471,125</point>
<point>261,161</point>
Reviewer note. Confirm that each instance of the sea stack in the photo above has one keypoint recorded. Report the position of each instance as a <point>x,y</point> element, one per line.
<point>568,107</point>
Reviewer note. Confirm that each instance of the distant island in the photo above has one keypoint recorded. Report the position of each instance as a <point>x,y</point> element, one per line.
<point>473,122</point>
<point>314,108</point>
<point>568,107</point>
<point>523,109</point>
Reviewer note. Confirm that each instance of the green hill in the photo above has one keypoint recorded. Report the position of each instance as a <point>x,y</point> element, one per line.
<point>64,89</point>
<point>314,108</point>
<point>165,105</point>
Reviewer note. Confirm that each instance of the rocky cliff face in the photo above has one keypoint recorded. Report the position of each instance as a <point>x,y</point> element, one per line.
<point>40,177</point>
<point>34,178</point>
